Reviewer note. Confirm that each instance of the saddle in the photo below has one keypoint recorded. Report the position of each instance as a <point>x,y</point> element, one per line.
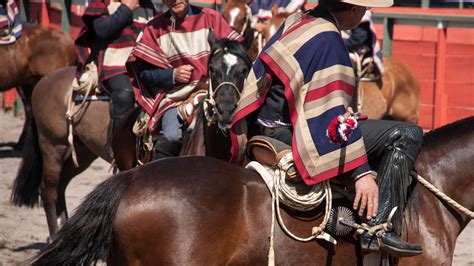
<point>269,151</point>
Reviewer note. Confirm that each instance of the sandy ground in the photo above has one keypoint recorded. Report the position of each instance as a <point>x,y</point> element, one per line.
<point>23,231</point>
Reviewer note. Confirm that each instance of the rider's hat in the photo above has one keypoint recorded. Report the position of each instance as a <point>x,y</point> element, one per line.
<point>370,3</point>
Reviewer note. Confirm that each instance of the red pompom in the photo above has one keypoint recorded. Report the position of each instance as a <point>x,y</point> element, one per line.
<point>341,128</point>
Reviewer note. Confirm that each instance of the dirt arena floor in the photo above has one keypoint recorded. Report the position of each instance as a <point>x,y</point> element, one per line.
<point>23,231</point>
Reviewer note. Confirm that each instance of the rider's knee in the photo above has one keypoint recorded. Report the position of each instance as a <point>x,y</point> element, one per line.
<point>407,138</point>
<point>282,134</point>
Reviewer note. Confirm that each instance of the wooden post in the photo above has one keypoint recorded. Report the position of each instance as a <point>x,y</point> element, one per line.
<point>387,36</point>
<point>24,11</point>
<point>425,3</point>
<point>65,15</point>
<point>44,14</point>
<point>441,101</point>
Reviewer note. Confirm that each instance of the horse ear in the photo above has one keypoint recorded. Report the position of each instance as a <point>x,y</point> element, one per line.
<point>275,10</point>
<point>211,39</point>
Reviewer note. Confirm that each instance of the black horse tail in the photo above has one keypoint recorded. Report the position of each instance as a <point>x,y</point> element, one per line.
<point>86,237</point>
<point>25,190</point>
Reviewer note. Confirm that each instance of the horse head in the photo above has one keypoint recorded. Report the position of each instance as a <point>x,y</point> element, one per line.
<point>239,17</point>
<point>228,67</point>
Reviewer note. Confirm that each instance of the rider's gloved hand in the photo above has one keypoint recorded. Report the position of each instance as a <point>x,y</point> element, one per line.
<point>182,74</point>
<point>367,196</point>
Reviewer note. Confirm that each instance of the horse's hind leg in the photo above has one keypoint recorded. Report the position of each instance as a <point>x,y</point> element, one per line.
<point>84,157</point>
<point>25,95</point>
<point>53,160</point>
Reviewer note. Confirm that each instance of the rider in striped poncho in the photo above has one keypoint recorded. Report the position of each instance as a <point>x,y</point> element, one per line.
<point>169,59</point>
<point>298,92</point>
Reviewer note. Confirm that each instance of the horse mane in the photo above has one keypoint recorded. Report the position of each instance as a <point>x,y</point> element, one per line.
<point>234,47</point>
<point>453,130</point>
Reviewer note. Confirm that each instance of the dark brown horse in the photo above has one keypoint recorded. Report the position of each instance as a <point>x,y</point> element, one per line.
<point>38,52</point>
<point>47,164</point>
<point>228,66</point>
<point>203,211</point>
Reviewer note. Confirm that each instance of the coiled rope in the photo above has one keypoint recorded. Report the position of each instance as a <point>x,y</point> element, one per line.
<point>296,196</point>
<point>88,81</point>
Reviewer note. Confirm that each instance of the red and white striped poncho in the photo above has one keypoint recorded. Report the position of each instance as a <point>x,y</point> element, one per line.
<point>112,54</point>
<point>169,43</point>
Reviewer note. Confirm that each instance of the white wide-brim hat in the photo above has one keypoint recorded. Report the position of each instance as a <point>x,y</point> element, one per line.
<point>370,3</point>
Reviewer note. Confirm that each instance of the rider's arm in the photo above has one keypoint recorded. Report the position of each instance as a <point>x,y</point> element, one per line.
<point>358,37</point>
<point>107,27</point>
<point>154,77</point>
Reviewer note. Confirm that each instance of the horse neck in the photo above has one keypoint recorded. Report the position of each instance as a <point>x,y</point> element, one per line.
<point>445,161</point>
<point>217,143</point>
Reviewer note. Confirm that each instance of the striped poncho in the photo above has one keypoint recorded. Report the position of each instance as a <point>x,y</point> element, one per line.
<point>10,20</point>
<point>309,57</point>
<point>110,55</point>
<point>167,42</point>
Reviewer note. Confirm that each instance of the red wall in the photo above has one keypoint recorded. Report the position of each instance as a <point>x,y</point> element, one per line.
<point>418,47</point>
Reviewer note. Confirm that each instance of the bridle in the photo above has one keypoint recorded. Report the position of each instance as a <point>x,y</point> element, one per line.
<point>209,105</point>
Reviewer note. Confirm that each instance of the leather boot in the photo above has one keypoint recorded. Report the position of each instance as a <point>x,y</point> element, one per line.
<point>390,242</point>
<point>393,180</point>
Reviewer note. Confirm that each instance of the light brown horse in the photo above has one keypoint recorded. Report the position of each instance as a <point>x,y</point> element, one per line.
<point>395,97</point>
<point>47,166</point>
<point>203,211</point>
<point>36,53</point>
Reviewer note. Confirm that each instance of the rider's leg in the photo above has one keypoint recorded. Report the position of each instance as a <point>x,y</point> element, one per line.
<point>282,134</point>
<point>121,101</point>
<point>169,142</point>
<point>398,145</point>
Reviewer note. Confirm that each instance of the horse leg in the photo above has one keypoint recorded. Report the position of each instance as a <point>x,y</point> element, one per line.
<point>85,158</point>
<point>53,160</point>
<point>25,95</point>
<point>124,142</point>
